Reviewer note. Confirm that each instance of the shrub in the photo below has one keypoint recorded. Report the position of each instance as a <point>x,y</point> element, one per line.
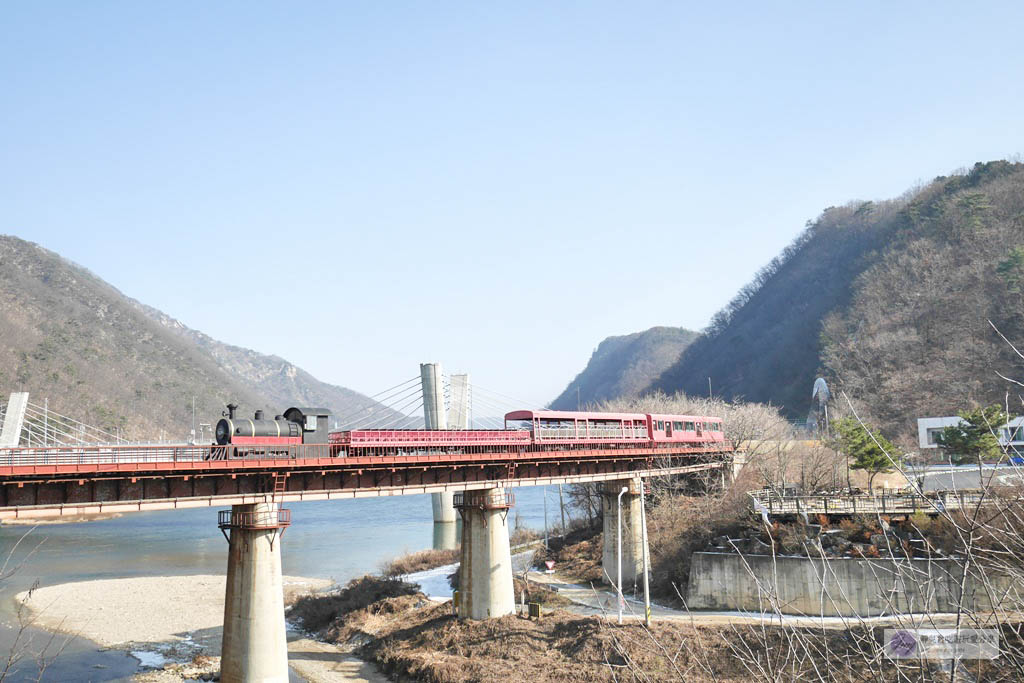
<point>315,613</point>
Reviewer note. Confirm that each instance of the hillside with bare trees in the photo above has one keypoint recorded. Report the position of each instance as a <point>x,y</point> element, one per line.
<point>623,366</point>
<point>102,357</point>
<point>891,301</point>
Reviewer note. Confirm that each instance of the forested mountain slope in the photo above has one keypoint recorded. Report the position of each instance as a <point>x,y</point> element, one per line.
<point>622,366</point>
<point>278,381</point>
<point>889,300</point>
<point>106,359</point>
<point>916,339</point>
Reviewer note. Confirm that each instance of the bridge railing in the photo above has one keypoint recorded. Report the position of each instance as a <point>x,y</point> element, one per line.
<point>76,455</point>
<point>170,453</point>
<point>866,504</point>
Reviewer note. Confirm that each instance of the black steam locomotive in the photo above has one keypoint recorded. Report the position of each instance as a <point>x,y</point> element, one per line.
<point>298,426</point>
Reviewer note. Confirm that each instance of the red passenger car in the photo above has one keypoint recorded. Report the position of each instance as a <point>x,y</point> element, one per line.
<point>567,427</point>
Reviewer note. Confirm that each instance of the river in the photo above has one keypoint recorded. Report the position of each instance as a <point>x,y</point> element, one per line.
<point>337,540</point>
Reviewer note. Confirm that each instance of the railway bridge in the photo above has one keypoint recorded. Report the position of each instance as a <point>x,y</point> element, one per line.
<point>55,482</point>
<point>473,472</point>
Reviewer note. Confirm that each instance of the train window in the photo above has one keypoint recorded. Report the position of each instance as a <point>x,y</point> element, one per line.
<point>677,425</point>
<point>689,426</point>
<point>661,425</point>
<point>311,423</point>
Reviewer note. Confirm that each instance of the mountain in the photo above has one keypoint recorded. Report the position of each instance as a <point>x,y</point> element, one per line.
<point>889,300</point>
<point>108,360</point>
<point>622,366</point>
<point>278,381</point>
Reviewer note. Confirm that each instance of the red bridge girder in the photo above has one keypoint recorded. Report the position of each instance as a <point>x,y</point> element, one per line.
<point>67,488</point>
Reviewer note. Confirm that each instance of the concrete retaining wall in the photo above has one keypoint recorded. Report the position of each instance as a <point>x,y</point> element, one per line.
<point>837,587</point>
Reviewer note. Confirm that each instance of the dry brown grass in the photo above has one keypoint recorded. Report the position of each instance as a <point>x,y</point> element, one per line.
<point>539,594</point>
<point>577,555</point>
<point>319,613</point>
<point>523,535</point>
<point>414,639</point>
<point>419,561</point>
<point>427,643</point>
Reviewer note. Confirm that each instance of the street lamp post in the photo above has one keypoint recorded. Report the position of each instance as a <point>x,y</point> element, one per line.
<point>625,489</point>
<point>647,559</point>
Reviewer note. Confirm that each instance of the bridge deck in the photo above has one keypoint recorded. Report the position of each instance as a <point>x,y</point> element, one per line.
<point>118,459</point>
<point>60,482</point>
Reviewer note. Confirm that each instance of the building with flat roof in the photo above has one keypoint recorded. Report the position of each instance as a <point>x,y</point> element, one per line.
<point>929,428</point>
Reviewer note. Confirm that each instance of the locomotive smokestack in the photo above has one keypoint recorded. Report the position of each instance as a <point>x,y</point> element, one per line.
<point>258,415</point>
<point>232,407</point>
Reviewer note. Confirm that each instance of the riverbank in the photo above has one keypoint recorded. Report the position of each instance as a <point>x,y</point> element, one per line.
<point>69,519</point>
<point>172,625</point>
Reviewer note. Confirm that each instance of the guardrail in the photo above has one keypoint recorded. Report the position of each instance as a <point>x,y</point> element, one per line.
<point>263,519</point>
<point>865,504</point>
<point>111,454</point>
<point>487,499</point>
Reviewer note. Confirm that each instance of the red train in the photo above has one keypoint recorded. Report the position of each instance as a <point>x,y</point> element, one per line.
<point>524,429</point>
<point>556,426</point>
<point>550,427</point>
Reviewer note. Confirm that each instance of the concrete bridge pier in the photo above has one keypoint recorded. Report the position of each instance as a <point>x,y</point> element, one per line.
<point>485,575</point>
<point>447,534</point>
<point>632,532</point>
<point>739,461</point>
<point>444,507</point>
<point>254,648</point>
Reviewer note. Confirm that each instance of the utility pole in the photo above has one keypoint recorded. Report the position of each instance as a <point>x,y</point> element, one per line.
<point>709,388</point>
<point>545,490</point>
<point>577,398</point>
<point>561,504</point>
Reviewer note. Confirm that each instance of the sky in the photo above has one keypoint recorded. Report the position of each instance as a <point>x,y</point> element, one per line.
<point>359,187</point>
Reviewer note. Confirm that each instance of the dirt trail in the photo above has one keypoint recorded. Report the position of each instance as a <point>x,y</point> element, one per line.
<point>319,662</point>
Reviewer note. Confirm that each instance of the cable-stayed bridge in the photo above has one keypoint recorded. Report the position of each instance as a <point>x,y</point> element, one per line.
<point>54,466</point>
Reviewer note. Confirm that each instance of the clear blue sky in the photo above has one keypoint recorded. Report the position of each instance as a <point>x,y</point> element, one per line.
<point>359,187</point>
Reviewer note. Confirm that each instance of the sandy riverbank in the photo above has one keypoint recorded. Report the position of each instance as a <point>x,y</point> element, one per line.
<point>69,519</point>
<point>167,619</point>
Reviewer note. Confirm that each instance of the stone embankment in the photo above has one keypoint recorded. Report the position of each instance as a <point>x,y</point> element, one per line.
<point>843,587</point>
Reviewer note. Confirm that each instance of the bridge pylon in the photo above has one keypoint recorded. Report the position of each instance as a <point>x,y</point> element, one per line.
<point>254,647</point>
<point>436,417</point>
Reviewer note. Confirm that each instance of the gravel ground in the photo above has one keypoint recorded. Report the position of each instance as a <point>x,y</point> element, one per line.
<point>177,619</point>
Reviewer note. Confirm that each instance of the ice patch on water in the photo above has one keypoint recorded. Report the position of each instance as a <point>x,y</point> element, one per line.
<point>434,582</point>
<point>149,659</point>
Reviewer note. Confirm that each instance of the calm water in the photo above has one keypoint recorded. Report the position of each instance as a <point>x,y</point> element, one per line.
<point>330,539</point>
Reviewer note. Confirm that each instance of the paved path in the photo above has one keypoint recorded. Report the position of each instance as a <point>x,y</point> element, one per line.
<point>600,601</point>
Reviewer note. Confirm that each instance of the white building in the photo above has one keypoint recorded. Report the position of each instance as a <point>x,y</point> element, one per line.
<point>929,429</point>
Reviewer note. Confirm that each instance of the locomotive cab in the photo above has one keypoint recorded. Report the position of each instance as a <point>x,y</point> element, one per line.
<point>312,421</point>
